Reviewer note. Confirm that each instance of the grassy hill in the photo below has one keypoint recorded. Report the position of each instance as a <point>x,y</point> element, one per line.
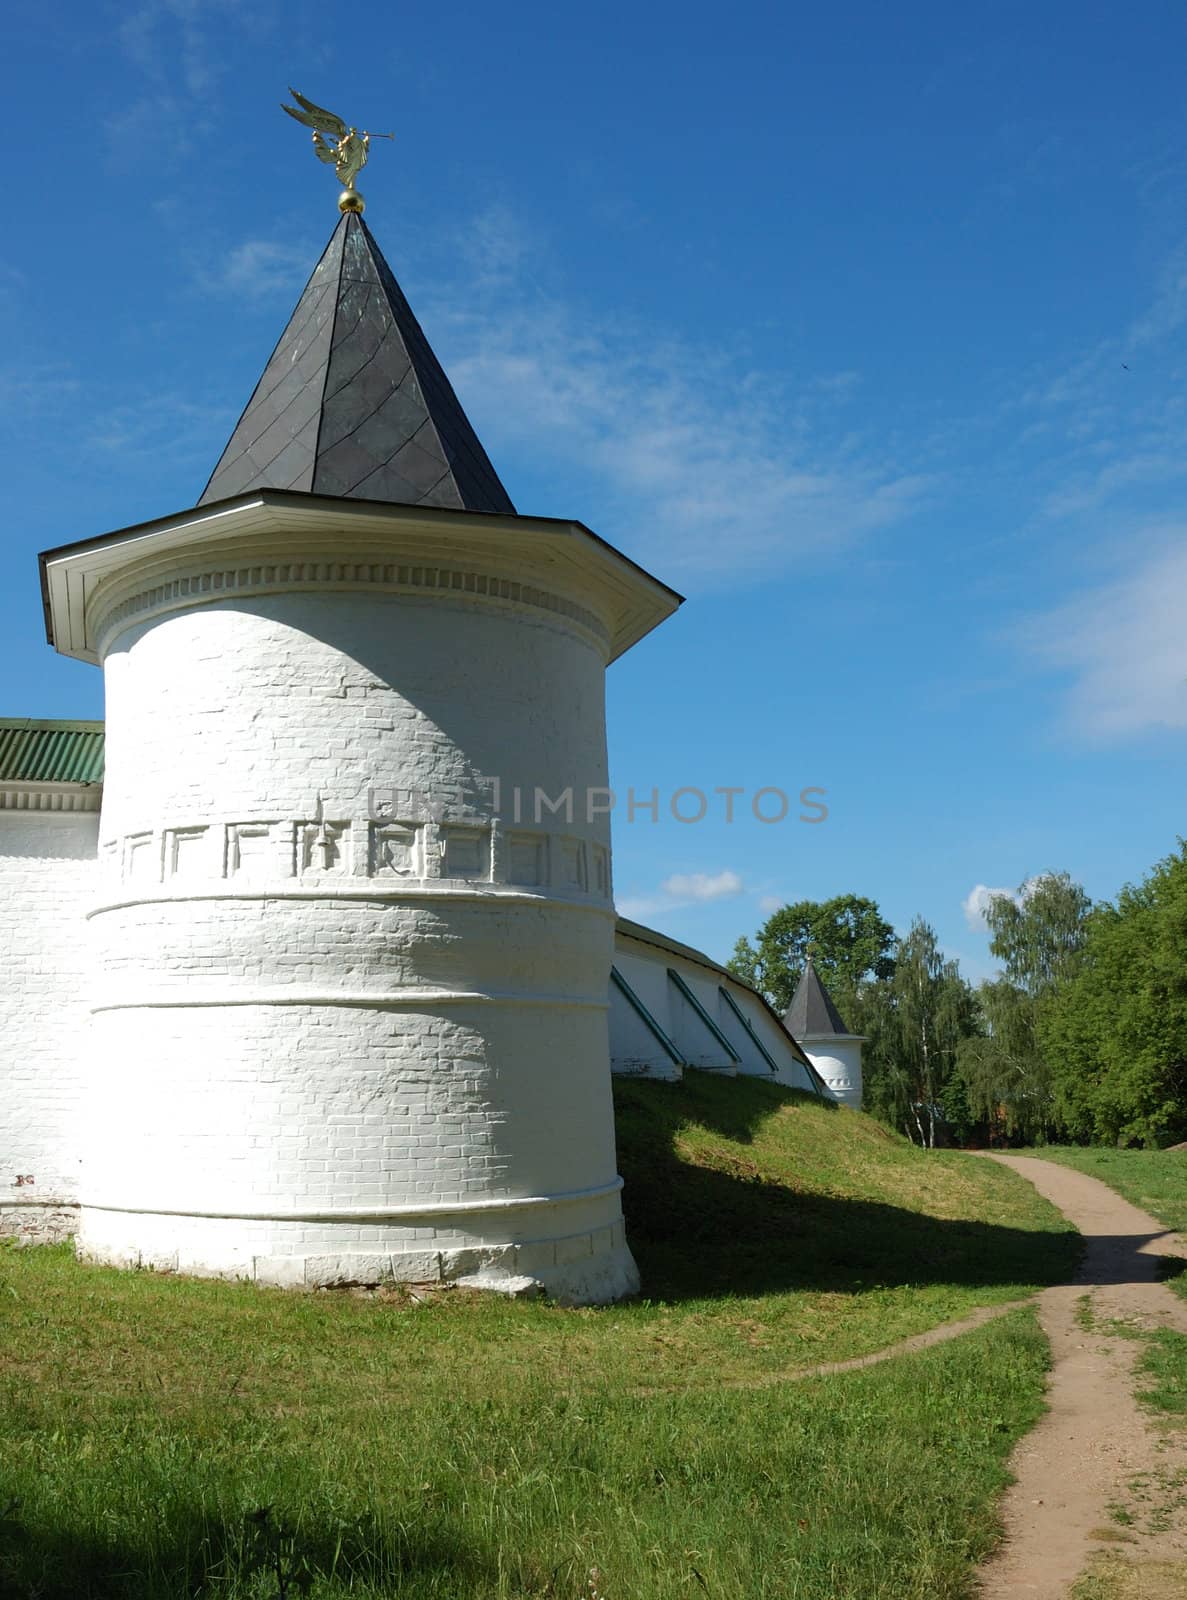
<point>818,1220</point>
<point>165,1437</point>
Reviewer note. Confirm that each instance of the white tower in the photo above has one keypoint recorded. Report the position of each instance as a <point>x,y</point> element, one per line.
<point>815,1022</point>
<point>355,924</point>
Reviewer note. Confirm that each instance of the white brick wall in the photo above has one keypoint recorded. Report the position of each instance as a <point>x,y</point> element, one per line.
<point>47,875</point>
<point>328,1052</point>
<point>838,1061</point>
<point>634,1050</point>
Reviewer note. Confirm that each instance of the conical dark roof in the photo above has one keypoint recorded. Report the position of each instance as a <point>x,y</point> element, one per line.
<point>811,1011</point>
<point>353,401</point>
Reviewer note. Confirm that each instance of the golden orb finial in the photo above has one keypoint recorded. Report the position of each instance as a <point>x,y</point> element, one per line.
<point>351,200</point>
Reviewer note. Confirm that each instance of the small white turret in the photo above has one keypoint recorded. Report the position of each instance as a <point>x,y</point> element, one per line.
<point>815,1022</point>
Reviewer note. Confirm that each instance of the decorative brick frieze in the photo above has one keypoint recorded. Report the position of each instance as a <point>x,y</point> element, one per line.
<point>344,576</point>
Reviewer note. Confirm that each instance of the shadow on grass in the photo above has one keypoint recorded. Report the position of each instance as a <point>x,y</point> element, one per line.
<point>699,1231</point>
<point>188,1554</point>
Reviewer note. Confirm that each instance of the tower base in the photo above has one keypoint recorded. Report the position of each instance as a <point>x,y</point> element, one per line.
<point>580,1269</point>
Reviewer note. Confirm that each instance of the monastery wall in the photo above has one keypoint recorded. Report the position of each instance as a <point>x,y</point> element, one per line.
<point>669,1011</point>
<point>47,878</point>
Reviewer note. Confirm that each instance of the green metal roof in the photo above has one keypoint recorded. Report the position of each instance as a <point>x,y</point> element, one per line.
<point>37,751</point>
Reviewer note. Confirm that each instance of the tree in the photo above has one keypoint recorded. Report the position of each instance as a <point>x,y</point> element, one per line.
<point>850,942</point>
<point>931,1011</point>
<point>1038,934</point>
<point>1116,1030</point>
<point>1006,1078</point>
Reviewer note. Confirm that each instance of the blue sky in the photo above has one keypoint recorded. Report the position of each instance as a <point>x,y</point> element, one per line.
<point>864,326</point>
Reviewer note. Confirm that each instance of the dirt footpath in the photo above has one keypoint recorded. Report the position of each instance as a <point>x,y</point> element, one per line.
<point>1094,1453</point>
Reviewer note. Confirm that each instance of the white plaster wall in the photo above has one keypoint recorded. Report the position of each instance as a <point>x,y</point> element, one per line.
<point>697,1043</point>
<point>357,1058</point>
<point>838,1061</point>
<point>632,1048</point>
<point>751,1062</point>
<point>47,872</point>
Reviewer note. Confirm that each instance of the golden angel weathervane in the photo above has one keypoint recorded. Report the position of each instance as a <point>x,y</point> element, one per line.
<point>345,148</point>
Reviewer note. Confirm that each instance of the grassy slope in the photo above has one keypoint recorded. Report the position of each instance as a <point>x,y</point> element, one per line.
<point>747,1204</point>
<point>1155,1180</point>
<point>475,1450</point>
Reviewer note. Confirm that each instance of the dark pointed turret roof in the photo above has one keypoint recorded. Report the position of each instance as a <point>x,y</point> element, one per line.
<point>811,1012</point>
<point>354,403</point>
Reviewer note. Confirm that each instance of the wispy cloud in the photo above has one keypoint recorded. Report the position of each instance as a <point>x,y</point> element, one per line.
<point>707,463</point>
<point>703,885</point>
<point>34,390</point>
<point>1124,646</point>
<point>258,268</point>
<point>1111,429</point>
<point>684,889</point>
<point>12,280</point>
<point>976,903</point>
<point>182,49</point>
<point>170,428</point>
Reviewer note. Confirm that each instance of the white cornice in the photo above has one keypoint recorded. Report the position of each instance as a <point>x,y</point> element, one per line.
<point>69,797</point>
<point>563,561</point>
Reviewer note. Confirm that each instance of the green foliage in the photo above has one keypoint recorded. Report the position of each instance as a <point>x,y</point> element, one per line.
<point>1039,934</point>
<point>1115,1030</point>
<point>918,1019</point>
<point>1006,1077</point>
<point>850,942</point>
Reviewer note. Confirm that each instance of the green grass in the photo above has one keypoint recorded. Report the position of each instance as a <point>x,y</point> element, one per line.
<point>1115,1578</point>
<point>1163,1364</point>
<point>874,1486</point>
<point>786,1232</point>
<point>1155,1180</point>
<point>479,1450</point>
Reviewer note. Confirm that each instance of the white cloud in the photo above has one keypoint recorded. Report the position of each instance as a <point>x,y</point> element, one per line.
<point>1112,437</point>
<point>769,903</point>
<point>181,49</point>
<point>170,428</point>
<point>638,907</point>
<point>702,885</point>
<point>706,463</point>
<point>1124,646</point>
<point>683,889</point>
<point>259,267</point>
<point>34,390</point>
<point>976,903</point>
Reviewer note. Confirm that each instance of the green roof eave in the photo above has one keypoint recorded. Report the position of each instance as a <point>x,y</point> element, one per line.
<point>36,750</point>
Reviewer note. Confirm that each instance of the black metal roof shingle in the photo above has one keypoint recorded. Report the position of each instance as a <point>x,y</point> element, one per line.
<point>354,403</point>
<point>811,1010</point>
